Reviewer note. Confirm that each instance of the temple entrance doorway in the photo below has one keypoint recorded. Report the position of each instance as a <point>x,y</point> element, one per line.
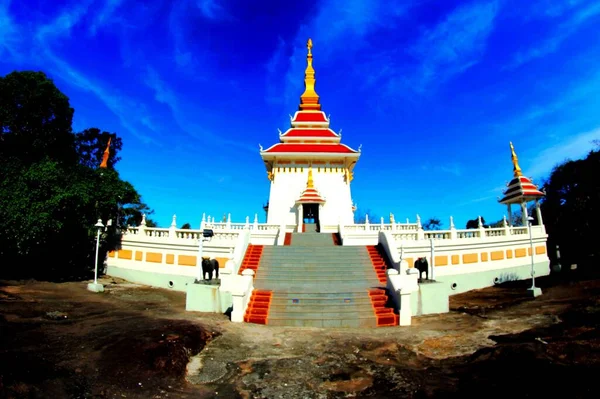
<point>310,217</point>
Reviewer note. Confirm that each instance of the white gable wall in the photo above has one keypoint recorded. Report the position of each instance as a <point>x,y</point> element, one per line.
<point>288,186</point>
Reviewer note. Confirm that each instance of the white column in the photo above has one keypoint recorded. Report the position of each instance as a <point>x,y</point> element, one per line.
<point>199,275</point>
<point>172,229</point>
<point>453,233</point>
<point>420,232</point>
<point>432,274</point>
<point>524,214</point>
<point>300,219</point>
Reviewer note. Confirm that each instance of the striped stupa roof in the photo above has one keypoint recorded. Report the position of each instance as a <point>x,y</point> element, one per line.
<point>310,196</point>
<point>520,189</point>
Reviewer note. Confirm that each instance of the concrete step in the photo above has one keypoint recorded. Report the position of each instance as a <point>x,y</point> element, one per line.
<point>315,263</point>
<point>316,258</point>
<point>337,248</point>
<point>321,302</point>
<point>305,314</point>
<point>315,266</point>
<point>312,288</point>
<point>352,293</point>
<point>316,254</point>
<point>352,321</point>
<point>316,273</point>
<point>337,279</point>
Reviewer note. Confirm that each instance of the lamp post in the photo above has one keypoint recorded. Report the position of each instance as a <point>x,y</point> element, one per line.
<point>95,287</point>
<point>533,290</point>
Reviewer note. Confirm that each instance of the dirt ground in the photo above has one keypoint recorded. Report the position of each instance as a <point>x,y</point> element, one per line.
<point>62,341</point>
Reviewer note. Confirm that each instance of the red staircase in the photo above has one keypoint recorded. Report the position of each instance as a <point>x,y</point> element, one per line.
<point>288,239</point>
<point>385,316</point>
<point>379,261</point>
<point>252,258</point>
<point>258,308</point>
<point>336,239</point>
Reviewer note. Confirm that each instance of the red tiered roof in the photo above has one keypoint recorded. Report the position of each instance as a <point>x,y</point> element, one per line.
<point>307,148</point>
<point>519,189</point>
<point>310,196</point>
<point>303,116</point>
<point>309,133</point>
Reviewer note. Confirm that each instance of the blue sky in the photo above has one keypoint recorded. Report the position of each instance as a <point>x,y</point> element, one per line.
<point>433,90</point>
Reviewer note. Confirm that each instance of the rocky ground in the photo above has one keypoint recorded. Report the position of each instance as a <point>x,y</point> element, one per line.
<point>62,341</point>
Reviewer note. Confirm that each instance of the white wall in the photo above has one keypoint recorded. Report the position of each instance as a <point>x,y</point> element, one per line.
<point>288,186</point>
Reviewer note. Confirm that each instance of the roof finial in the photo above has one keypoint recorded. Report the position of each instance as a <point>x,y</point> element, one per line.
<point>106,154</point>
<point>516,169</point>
<point>309,100</point>
<point>310,183</point>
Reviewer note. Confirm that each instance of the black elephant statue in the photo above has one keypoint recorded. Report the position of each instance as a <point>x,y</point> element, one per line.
<point>422,265</point>
<point>208,266</point>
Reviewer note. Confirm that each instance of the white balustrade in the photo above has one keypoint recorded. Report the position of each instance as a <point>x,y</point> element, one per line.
<point>469,233</point>
<point>519,230</point>
<point>438,235</point>
<point>495,232</point>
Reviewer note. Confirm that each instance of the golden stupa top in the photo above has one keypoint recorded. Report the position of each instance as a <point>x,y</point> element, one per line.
<point>309,100</point>
<point>310,183</point>
<point>516,168</point>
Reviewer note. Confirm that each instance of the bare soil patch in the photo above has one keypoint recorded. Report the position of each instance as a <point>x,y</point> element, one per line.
<point>59,340</point>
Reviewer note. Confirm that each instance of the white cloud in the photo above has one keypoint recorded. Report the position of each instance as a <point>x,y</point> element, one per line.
<point>338,28</point>
<point>62,25</point>
<point>450,168</point>
<point>559,36</point>
<point>105,14</point>
<point>211,9</point>
<point>9,31</point>
<point>455,44</point>
<point>575,147</point>
<point>165,95</point>
<point>132,115</point>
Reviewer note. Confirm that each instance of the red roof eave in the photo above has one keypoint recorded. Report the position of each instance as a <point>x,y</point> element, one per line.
<point>304,132</point>
<point>317,117</point>
<point>287,148</point>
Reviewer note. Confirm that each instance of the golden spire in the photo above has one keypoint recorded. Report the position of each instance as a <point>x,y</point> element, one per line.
<point>309,99</point>
<point>104,163</point>
<point>310,183</point>
<point>516,169</point>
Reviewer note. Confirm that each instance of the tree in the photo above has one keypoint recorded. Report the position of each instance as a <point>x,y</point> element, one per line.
<point>517,218</point>
<point>571,209</point>
<point>474,223</point>
<point>433,224</point>
<point>35,119</point>
<point>361,217</point>
<point>186,226</point>
<point>51,191</point>
<point>91,143</point>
